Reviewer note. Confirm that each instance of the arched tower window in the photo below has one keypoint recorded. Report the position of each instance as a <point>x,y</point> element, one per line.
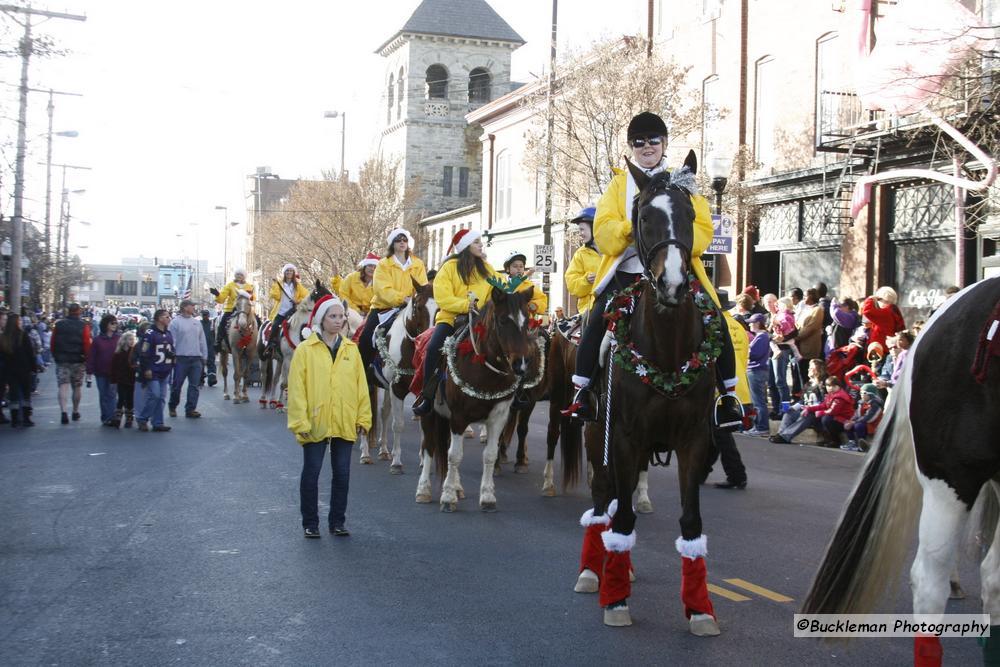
<point>400,82</point>
<point>437,82</point>
<point>389,98</point>
<point>480,85</point>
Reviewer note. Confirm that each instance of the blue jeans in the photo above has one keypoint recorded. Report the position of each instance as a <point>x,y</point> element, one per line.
<point>780,364</point>
<point>108,392</point>
<point>757,379</point>
<point>152,408</point>
<point>186,368</point>
<point>805,420</point>
<point>312,466</point>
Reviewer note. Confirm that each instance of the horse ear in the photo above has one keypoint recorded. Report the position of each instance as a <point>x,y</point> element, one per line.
<point>638,175</point>
<point>498,295</point>
<point>691,162</point>
<point>318,284</point>
<point>416,285</point>
<point>528,294</point>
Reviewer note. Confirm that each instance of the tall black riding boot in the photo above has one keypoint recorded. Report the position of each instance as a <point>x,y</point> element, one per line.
<point>26,417</point>
<point>15,418</point>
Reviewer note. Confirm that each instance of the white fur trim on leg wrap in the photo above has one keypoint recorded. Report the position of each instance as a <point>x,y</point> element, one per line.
<point>588,518</point>
<point>617,542</point>
<point>580,381</point>
<point>693,549</point>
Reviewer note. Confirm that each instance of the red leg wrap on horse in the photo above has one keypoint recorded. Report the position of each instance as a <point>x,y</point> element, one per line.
<point>926,652</point>
<point>592,553</point>
<point>694,590</point>
<point>615,586</point>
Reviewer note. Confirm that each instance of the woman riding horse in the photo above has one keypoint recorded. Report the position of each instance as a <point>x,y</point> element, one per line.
<point>620,267</point>
<point>392,286</point>
<point>357,288</point>
<point>285,295</point>
<point>582,271</point>
<point>227,297</point>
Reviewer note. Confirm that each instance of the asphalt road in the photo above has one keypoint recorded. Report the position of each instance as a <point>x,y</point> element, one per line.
<point>134,548</point>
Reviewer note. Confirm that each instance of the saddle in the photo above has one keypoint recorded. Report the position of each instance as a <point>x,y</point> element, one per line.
<point>571,329</point>
<point>988,347</point>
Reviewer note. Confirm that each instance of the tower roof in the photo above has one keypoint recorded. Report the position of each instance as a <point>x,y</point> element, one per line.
<point>457,18</point>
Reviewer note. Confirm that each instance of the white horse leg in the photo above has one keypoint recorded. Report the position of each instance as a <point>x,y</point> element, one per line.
<point>642,502</point>
<point>387,412</point>
<point>548,483</point>
<point>396,417</point>
<point>224,369</point>
<point>494,425</point>
<point>449,490</point>
<point>957,592</point>
<point>990,571</point>
<point>424,484</point>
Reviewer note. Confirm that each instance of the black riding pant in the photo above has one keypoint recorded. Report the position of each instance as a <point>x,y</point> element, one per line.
<point>724,448</point>
<point>365,344</point>
<point>222,327</point>
<point>275,334</point>
<point>433,353</point>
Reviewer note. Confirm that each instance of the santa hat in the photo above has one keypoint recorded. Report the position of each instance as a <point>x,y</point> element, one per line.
<point>319,312</point>
<point>240,271</point>
<point>371,259</point>
<point>399,231</point>
<point>288,266</point>
<point>463,239</point>
<point>752,292</point>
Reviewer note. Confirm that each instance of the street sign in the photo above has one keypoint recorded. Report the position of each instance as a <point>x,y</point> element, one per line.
<point>545,258</point>
<point>722,235</point>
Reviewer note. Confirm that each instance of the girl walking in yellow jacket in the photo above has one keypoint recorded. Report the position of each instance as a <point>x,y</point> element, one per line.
<point>582,271</point>
<point>328,408</point>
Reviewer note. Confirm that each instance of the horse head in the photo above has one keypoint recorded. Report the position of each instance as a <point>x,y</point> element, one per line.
<point>319,290</point>
<point>663,229</point>
<point>244,313</point>
<point>422,308</point>
<point>510,336</point>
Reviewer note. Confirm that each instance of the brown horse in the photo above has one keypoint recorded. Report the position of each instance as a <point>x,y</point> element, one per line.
<point>658,393</point>
<point>480,390</point>
<point>242,339</point>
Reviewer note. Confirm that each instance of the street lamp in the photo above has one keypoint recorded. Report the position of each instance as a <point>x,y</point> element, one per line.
<point>718,169</point>
<point>343,135</point>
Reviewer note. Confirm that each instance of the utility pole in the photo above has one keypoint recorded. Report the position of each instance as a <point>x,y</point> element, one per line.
<point>649,29</point>
<point>48,186</point>
<point>17,250</point>
<point>549,140</point>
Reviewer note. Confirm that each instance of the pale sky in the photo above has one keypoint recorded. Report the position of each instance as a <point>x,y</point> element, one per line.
<point>183,100</point>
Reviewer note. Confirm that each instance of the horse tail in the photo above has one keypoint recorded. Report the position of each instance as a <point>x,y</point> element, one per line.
<point>876,528</point>
<point>983,520</point>
<point>442,443</point>
<point>571,447</point>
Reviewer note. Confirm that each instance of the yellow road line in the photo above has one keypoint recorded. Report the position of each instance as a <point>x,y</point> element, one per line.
<point>759,590</point>
<point>729,595</point>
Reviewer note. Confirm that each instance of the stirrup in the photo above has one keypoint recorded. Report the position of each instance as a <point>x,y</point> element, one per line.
<point>581,407</point>
<point>728,413</point>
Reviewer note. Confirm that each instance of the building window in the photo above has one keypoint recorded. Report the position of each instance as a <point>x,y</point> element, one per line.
<point>480,86</point>
<point>503,186</point>
<point>120,287</point>
<point>167,281</point>
<point>148,288</point>
<point>711,111</point>
<point>446,182</point>
<point>765,110</point>
<point>391,100</point>
<point>463,181</point>
<point>437,82</point>
<point>400,82</point>
<point>837,106</point>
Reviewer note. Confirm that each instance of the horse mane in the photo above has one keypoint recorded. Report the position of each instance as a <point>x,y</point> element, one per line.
<point>684,178</point>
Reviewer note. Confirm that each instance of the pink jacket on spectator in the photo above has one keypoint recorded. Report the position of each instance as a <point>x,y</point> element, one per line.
<point>783,322</point>
<point>838,404</point>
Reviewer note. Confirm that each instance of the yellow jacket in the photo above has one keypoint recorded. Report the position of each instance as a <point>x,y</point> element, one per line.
<point>301,292</point>
<point>327,398</point>
<point>335,284</point>
<point>228,294</point>
<point>358,295</point>
<point>741,346</point>
<point>452,293</point>
<point>539,298</point>
<point>392,283</point>
<point>585,260</point>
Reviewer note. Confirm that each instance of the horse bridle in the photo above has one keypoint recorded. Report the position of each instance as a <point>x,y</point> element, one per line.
<point>646,256</point>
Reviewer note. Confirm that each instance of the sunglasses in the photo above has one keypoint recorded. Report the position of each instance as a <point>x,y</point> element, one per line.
<point>640,142</point>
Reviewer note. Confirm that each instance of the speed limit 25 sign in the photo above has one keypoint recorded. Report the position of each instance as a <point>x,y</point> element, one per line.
<point>545,258</point>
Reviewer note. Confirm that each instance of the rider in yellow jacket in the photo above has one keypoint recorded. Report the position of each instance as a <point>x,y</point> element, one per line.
<point>227,297</point>
<point>647,134</point>
<point>514,266</point>
<point>582,271</point>
<point>358,288</point>
<point>286,294</point>
<point>392,285</point>
<point>460,283</point>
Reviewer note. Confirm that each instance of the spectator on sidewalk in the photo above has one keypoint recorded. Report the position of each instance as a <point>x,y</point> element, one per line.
<point>865,421</point>
<point>824,302</point>
<point>192,354</point>
<point>3,373</point>
<point>123,375</point>
<point>20,365</point>
<point>156,361</point>
<point>206,325</point>
<point>783,349</point>
<point>102,351</point>
<point>758,369</point>
<point>754,293</point>
<point>845,320</point>
<point>810,337</point>
<point>139,387</point>
<point>743,310</point>
<point>885,317</point>
<point>830,416</point>
<point>70,347</point>
<point>812,394</point>
<point>328,408</point>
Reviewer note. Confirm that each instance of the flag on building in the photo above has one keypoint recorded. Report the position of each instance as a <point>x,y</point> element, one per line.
<point>187,290</point>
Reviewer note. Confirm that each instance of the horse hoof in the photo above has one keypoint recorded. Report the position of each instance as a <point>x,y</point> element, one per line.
<point>460,494</point>
<point>225,397</point>
<point>396,469</point>
<point>503,458</point>
<point>281,411</point>
<point>482,437</point>
<point>617,617</point>
<point>272,405</point>
<point>587,582</point>
<point>703,625</point>
<point>549,490</point>
<point>957,593</point>
<point>468,432</point>
<point>263,405</point>
<point>496,468</point>
<point>488,506</point>
<point>448,508</point>
<point>521,468</point>
<point>366,460</point>
<point>644,507</point>
<point>424,498</point>
<point>384,456</point>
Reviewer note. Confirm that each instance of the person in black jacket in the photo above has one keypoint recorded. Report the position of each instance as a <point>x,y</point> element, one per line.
<point>70,347</point>
<point>20,364</point>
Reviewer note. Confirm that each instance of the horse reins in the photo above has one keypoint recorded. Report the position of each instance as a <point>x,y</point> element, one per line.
<point>646,256</point>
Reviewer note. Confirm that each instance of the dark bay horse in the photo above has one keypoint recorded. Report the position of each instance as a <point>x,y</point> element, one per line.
<point>657,396</point>
<point>936,454</point>
<point>480,390</point>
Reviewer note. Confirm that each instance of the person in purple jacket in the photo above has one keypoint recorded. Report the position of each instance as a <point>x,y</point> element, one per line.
<point>102,350</point>
<point>758,370</point>
<point>846,320</point>
<point>156,361</point>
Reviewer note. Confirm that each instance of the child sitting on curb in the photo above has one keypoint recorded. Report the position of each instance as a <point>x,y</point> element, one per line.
<point>867,417</point>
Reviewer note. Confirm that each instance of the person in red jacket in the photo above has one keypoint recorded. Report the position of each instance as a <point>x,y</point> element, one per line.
<point>836,410</point>
<point>884,315</point>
